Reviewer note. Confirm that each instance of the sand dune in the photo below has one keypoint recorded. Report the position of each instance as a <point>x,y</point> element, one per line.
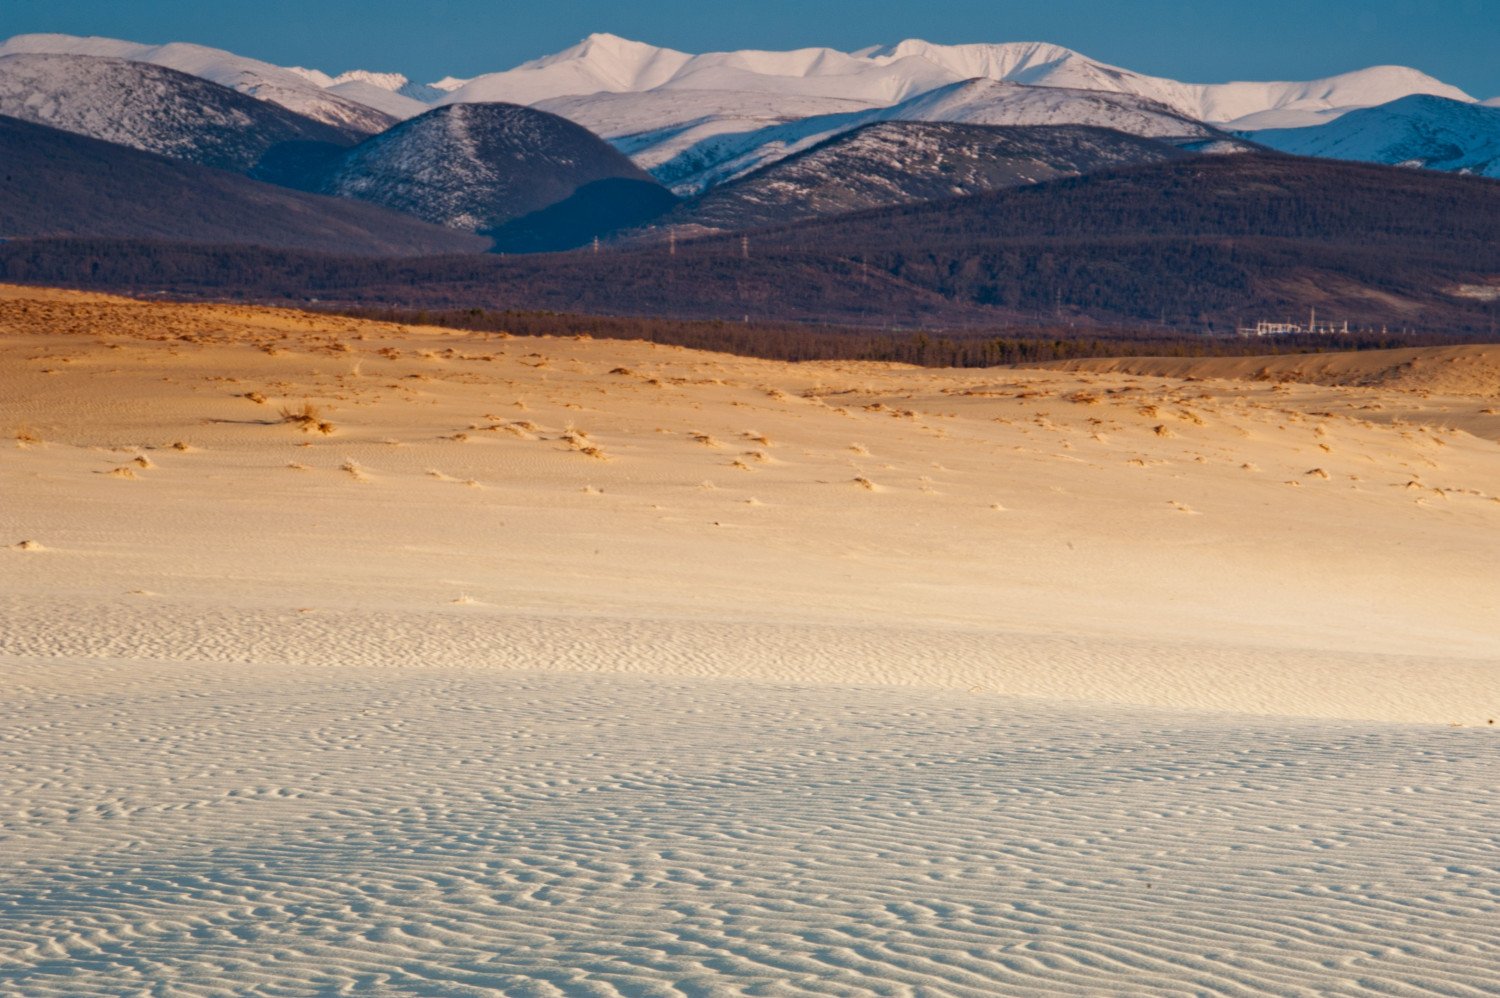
<point>350,656</point>
<point>1461,370</point>
<point>560,478</point>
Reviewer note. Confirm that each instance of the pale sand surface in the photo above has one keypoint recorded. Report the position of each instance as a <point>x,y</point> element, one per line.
<point>198,830</point>
<point>565,666</point>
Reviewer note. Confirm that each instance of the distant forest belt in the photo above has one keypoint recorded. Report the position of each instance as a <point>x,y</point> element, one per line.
<point>789,305</point>
<point>922,347</point>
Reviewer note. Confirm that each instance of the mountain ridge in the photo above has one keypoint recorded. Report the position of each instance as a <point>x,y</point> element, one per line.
<point>155,109</point>
<point>58,184</point>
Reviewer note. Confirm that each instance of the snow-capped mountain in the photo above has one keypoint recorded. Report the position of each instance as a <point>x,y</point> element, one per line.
<point>1424,131</point>
<point>391,93</point>
<point>477,166</point>
<point>899,162</point>
<point>292,90</point>
<point>1240,105</point>
<point>879,76</point>
<point>723,157</point>
<point>160,110</point>
<point>891,74</point>
<point>696,120</point>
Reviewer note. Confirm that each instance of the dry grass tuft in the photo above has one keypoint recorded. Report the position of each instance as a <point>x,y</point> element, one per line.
<point>181,445</point>
<point>28,546</point>
<point>27,437</point>
<point>308,419</point>
<point>864,483</point>
<point>1317,473</point>
<point>1163,431</point>
<point>124,471</point>
<point>521,429</point>
<point>255,397</point>
<point>354,470</point>
<point>623,371</point>
<point>759,438</point>
<point>580,442</point>
<point>142,461</point>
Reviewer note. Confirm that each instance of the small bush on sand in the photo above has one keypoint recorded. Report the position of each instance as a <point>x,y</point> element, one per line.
<point>308,419</point>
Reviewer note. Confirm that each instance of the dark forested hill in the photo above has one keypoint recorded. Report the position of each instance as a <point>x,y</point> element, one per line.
<point>55,183</point>
<point>1192,244</point>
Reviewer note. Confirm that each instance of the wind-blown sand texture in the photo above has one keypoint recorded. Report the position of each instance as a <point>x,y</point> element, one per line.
<point>348,656</point>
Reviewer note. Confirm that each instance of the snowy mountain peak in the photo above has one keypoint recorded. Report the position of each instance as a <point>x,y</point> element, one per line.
<point>296,91</point>
<point>999,61</point>
<point>1417,130</point>
<point>393,82</point>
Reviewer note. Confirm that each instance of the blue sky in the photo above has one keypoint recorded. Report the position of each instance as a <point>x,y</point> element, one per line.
<point>1210,41</point>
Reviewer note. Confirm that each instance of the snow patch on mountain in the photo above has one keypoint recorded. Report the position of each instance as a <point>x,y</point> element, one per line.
<point>599,64</point>
<point>723,157</point>
<point>153,109</point>
<point>1425,131</point>
<point>477,166</point>
<point>898,162</point>
<point>292,90</point>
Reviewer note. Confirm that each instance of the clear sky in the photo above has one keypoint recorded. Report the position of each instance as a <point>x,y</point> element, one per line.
<point>1205,41</point>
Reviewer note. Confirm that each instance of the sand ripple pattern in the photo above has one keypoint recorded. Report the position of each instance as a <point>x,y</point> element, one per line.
<point>206,830</point>
<point>1248,680</point>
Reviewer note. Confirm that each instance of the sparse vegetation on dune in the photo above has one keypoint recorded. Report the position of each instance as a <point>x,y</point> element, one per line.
<point>308,419</point>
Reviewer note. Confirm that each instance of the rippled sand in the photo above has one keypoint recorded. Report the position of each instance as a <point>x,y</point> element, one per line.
<point>566,667</point>
<point>193,829</point>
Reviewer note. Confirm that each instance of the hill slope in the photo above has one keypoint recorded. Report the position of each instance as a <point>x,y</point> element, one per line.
<point>161,110</point>
<point>976,102</point>
<point>252,77</point>
<point>54,183</point>
<point>898,162</point>
<point>478,166</point>
<point>1431,132</point>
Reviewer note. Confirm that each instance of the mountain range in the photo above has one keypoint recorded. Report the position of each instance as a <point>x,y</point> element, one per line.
<point>824,162</point>
<point>697,120</point>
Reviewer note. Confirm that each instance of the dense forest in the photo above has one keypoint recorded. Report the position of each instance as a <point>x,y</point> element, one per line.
<point>928,348</point>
